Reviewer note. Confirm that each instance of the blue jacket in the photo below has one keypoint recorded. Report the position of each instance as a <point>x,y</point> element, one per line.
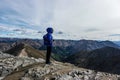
<point>48,39</point>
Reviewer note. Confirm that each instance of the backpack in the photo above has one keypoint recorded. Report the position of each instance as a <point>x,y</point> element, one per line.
<point>45,38</point>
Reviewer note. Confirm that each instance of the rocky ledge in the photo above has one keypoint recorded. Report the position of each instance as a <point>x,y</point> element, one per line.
<point>25,68</point>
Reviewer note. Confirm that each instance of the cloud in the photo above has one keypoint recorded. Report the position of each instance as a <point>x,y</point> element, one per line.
<point>19,32</point>
<point>60,32</point>
<point>6,28</point>
<point>92,19</point>
<point>92,30</point>
<point>115,35</point>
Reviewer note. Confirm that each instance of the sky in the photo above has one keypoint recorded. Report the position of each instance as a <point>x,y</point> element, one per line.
<point>70,19</point>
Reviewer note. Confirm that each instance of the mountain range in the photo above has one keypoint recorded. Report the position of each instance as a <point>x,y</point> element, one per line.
<point>103,59</point>
<point>24,59</point>
<point>61,48</point>
<point>117,42</point>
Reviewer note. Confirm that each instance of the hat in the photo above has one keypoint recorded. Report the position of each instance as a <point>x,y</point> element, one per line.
<point>49,30</point>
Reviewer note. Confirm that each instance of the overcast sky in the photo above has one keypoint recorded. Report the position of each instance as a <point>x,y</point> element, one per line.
<point>71,19</point>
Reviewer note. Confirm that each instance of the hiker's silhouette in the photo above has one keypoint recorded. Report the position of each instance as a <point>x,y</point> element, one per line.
<point>48,40</point>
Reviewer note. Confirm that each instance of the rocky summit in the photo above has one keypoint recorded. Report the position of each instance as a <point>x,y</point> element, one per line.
<point>26,68</point>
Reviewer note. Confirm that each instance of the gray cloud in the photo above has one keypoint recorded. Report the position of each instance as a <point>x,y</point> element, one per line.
<point>115,35</point>
<point>92,30</point>
<point>76,17</point>
<point>60,32</point>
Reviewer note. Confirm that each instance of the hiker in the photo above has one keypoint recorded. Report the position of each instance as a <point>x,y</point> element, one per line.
<point>48,40</point>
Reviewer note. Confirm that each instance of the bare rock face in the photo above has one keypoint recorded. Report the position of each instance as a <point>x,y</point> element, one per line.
<point>9,63</point>
<point>58,71</point>
<point>3,55</point>
<point>25,68</point>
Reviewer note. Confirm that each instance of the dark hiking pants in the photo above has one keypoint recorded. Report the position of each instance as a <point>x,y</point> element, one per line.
<point>49,48</point>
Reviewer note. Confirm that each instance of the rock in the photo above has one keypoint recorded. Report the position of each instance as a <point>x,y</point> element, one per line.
<point>54,71</point>
<point>10,63</point>
<point>25,78</point>
<point>39,60</point>
<point>5,55</point>
<point>18,63</point>
<point>86,77</point>
<point>1,78</point>
<point>64,77</point>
